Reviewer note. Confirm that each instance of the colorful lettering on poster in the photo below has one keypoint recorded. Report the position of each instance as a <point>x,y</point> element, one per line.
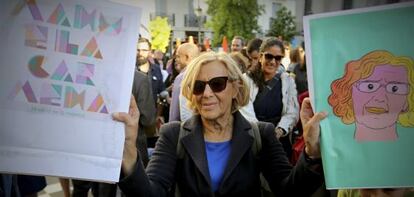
<point>70,86</point>
<point>37,35</point>
<point>51,93</point>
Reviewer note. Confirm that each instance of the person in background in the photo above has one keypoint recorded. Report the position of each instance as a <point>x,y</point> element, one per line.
<point>286,59</point>
<point>159,59</point>
<point>30,186</point>
<point>244,52</point>
<point>65,184</point>
<point>173,71</point>
<point>253,48</point>
<point>297,69</point>
<point>273,96</point>
<point>241,61</point>
<point>142,92</point>
<point>178,109</point>
<point>12,185</point>
<point>217,157</point>
<point>237,44</point>
<point>155,78</point>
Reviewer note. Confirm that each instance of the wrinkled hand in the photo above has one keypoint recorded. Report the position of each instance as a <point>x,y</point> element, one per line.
<point>311,130</point>
<point>130,120</point>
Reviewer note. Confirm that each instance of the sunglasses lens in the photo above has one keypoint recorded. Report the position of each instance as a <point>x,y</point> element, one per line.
<point>199,87</point>
<point>278,58</point>
<point>269,57</point>
<point>218,84</point>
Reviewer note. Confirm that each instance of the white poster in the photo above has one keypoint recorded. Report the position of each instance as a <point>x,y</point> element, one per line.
<point>65,67</point>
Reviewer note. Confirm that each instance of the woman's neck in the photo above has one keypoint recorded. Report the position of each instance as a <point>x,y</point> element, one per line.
<point>269,76</point>
<point>218,130</point>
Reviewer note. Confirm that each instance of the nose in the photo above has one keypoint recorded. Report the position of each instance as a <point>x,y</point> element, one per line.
<point>208,91</point>
<point>380,95</point>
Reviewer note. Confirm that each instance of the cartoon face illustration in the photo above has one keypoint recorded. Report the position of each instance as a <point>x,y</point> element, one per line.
<point>375,93</point>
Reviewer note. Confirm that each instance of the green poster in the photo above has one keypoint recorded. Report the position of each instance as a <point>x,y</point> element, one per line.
<point>361,71</point>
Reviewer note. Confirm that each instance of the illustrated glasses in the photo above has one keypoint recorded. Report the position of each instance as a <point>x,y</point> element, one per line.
<point>391,87</point>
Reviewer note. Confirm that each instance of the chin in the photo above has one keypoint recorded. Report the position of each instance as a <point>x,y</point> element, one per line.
<point>210,115</point>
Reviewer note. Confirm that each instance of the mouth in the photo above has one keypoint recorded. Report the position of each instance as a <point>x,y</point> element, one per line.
<point>208,105</point>
<point>376,110</point>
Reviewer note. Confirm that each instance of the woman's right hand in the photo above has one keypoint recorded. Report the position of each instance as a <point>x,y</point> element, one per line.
<point>130,120</point>
<point>311,129</point>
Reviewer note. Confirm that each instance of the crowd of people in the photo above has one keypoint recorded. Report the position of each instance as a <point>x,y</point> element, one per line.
<point>206,123</point>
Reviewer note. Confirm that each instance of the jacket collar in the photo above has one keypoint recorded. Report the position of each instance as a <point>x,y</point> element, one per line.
<point>195,145</point>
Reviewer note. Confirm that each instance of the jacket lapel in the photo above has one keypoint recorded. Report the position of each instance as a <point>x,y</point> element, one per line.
<point>195,146</point>
<point>240,143</point>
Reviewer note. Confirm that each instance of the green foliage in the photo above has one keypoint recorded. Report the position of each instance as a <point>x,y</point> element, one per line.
<point>233,18</point>
<point>160,33</point>
<point>283,25</point>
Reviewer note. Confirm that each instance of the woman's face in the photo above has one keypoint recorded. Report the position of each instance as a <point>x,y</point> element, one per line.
<point>254,58</point>
<point>214,102</point>
<point>381,97</point>
<point>270,59</point>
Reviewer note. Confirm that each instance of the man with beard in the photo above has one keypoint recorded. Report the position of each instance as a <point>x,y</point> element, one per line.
<point>153,72</point>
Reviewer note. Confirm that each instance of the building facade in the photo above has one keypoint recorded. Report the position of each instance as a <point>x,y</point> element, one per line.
<point>188,17</point>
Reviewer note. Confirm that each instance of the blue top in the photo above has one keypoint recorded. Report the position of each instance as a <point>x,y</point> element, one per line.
<point>217,156</point>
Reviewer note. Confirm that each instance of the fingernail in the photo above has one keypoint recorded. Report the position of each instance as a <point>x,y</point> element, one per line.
<point>115,115</point>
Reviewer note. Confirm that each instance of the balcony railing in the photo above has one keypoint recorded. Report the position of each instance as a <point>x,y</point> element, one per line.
<point>191,20</point>
<point>171,17</point>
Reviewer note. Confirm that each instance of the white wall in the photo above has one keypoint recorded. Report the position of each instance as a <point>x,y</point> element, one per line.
<point>147,7</point>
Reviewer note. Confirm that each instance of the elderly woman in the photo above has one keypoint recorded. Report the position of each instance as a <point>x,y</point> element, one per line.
<point>217,154</point>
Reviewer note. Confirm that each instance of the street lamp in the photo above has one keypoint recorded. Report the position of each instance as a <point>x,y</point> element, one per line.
<point>198,11</point>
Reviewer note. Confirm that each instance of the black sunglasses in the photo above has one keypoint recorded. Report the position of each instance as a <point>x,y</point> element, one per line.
<point>269,57</point>
<point>217,84</point>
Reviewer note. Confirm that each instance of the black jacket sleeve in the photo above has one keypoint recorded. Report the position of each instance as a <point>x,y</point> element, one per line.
<point>160,173</point>
<point>285,180</point>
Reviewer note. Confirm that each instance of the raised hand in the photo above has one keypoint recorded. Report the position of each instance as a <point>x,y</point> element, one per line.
<point>130,120</point>
<point>311,129</point>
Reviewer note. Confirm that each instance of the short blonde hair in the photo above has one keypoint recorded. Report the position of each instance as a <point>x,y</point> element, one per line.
<point>341,97</point>
<point>235,75</point>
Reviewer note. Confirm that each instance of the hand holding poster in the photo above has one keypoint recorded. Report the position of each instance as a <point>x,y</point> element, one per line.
<point>361,70</point>
<point>65,67</point>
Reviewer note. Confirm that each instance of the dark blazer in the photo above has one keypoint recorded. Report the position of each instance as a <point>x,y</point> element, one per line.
<point>141,89</point>
<point>241,177</point>
<point>156,81</point>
